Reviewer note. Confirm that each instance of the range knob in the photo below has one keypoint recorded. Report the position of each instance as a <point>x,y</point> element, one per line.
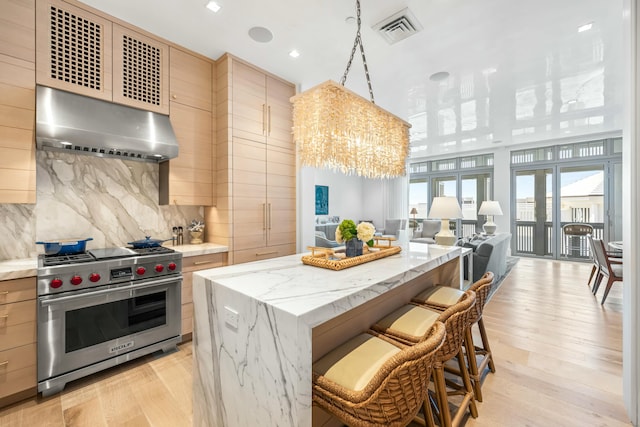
<point>55,283</point>
<point>172,266</point>
<point>76,280</point>
<point>159,268</point>
<point>94,277</point>
<point>140,271</point>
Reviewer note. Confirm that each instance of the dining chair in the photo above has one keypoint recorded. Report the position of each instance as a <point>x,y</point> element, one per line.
<point>608,267</point>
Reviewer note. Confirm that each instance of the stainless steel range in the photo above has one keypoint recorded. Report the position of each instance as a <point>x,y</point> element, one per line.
<point>103,307</point>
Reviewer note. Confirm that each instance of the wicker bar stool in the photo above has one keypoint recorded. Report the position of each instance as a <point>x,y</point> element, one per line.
<point>411,323</point>
<point>372,380</point>
<point>443,297</point>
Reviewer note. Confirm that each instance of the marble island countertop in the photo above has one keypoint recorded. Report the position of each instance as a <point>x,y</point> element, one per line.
<point>315,295</point>
<point>27,267</point>
<point>258,325</point>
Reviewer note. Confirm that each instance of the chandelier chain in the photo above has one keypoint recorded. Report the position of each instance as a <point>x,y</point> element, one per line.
<point>358,41</point>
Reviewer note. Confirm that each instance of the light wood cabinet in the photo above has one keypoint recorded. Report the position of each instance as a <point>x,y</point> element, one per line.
<point>17,102</point>
<point>17,340</point>
<point>189,178</point>
<point>88,54</point>
<point>261,162</point>
<point>189,265</point>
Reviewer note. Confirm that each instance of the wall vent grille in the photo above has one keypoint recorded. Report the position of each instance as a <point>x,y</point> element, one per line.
<point>398,26</point>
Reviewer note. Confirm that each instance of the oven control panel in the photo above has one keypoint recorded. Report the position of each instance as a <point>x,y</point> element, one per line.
<point>71,277</point>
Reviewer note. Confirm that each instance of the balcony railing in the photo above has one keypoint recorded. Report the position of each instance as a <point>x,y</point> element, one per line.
<point>571,247</point>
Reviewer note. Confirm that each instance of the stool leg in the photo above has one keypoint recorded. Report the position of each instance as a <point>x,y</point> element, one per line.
<point>467,384</point>
<point>428,414</point>
<point>593,271</point>
<point>485,345</point>
<point>473,364</point>
<point>441,394</point>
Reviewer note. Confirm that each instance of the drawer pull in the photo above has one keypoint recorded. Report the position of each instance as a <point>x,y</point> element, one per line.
<point>5,316</point>
<point>4,293</point>
<point>266,253</point>
<point>202,262</point>
<point>5,363</point>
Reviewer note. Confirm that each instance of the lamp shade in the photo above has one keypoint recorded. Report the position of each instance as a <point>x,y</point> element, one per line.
<point>414,211</point>
<point>445,207</point>
<point>490,207</point>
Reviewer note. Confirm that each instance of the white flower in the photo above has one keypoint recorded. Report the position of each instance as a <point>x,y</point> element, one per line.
<point>365,231</point>
<point>338,235</point>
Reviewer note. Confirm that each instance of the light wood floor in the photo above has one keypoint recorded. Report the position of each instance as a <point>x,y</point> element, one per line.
<point>557,350</point>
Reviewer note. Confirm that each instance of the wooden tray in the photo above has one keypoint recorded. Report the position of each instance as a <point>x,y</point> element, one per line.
<point>321,257</point>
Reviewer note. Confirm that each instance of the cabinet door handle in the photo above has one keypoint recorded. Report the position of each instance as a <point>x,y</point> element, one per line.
<point>266,253</point>
<point>264,118</point>
<point>203,262</point>
<point>269,120</point>
<point>5,363</point>
<point>4,293</point>
<point>269,204</point>
<point>264,216</point>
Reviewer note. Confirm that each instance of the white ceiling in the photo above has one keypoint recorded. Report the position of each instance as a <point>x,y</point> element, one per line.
<point>520,72</point>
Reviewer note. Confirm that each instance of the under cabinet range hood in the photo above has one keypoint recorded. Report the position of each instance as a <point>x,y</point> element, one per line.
<point>82,125</point>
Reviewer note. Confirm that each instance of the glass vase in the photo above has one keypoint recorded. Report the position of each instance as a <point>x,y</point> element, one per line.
<point>353,247</point>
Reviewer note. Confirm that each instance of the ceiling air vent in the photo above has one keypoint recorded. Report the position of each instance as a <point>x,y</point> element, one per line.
<point>398,26</point>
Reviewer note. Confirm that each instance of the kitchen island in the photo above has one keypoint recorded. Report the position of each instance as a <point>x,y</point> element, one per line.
<point>259,326</point>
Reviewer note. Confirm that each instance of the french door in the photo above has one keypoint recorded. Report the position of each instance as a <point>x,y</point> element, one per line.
<point>546,199</point>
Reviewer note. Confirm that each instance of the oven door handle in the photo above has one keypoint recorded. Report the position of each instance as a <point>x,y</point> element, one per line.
<point>129,289</point>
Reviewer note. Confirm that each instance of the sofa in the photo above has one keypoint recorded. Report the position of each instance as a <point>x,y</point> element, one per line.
<point>489,254</point>
<point>430,227</point>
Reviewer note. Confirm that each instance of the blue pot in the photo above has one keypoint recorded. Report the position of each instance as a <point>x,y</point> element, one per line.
<point>353,247</point>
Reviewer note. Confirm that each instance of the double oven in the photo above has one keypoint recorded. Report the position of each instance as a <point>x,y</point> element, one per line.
<point>104,307</point>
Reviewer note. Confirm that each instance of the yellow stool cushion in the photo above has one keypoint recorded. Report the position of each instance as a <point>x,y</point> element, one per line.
<point>354,363</point>
<point>409,320</point>
<point>439,295</point>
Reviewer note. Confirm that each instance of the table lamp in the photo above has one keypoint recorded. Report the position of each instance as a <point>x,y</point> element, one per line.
<point>490,208</point>
<point>445,208</point>
<point>414,212</point>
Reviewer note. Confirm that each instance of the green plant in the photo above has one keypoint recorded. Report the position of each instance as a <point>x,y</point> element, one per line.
<point>347,230</point>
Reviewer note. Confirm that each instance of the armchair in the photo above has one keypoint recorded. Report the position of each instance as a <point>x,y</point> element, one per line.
<point>392,227</point>
<point>323,242</point>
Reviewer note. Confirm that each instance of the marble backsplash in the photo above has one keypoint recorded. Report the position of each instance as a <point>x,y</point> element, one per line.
<point>111,200</point>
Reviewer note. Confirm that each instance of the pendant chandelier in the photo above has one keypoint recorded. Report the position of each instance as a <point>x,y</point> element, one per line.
<point>340,130</point>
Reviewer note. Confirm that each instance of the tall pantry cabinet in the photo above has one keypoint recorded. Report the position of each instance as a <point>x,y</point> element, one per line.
<point>258,161</point>
<point>17,102</point>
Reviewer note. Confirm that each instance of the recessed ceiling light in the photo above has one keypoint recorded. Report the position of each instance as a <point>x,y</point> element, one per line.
<point>294,53</point>
<point>260,34</point>
<point>213,6</point>
<point>585,27</point>
<point>350,19</point>
<point>439,76</point>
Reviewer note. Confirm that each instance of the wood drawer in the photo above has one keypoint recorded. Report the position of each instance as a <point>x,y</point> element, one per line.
<point>202,262</point>
<point>17,290</point>
<point>187,288</point>
<point>17,324</point>
<point>17,369</point>
<point>17,313</point>
<point>187,318</point>
<point>258,254</point>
